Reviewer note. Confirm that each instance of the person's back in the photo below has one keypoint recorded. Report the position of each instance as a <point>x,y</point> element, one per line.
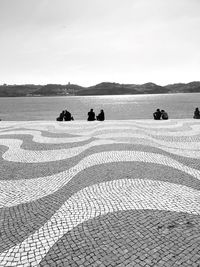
<point>157,114</point>
<point>196,114</point>
<point>101,116</point>
<point>164,115</point>
<point>61,116</point>
<point>91,115</point>
<point>68,116</point>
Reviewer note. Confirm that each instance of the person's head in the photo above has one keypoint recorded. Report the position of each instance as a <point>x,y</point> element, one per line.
<point>162,110</point>
<point>158,109</point>
<point>196,109</point>
<point>101,110</point>
<point>91,109</point>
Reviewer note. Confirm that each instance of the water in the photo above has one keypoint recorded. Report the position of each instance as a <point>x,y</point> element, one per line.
<point>119,107</point>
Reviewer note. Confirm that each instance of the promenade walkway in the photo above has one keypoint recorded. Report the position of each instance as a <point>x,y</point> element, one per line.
<point>112,193</point>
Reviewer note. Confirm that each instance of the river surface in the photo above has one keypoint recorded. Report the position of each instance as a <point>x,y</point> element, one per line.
<point>117,107</point>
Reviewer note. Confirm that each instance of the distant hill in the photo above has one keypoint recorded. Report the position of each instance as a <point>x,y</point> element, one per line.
<point>17,90</point>
<point>107,88</point>
<point>104,88</point>
<point>58,89</point>
<point>192,87</point>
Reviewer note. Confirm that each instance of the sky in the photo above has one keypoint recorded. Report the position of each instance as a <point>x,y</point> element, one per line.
<point>86,42</point>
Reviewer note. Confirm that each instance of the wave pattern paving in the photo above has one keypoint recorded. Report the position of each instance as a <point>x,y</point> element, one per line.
<point>100,194</point>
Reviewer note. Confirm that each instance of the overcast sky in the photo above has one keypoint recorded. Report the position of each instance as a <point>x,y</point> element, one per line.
<point>91,41</point>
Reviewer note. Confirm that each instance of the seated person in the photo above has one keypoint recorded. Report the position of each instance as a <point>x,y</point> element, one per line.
<point>164,115</point>
<point>101,116</point>
<point>61,116</point>
<point>68,116</point>
<point>157,114</point>
<point>91,115</point>
<point>196,114</point>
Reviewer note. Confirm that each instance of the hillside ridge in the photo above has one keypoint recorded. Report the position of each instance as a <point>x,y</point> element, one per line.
<point>104,88</point>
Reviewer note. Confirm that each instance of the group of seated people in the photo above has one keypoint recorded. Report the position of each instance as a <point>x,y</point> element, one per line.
<point>196,114</point>
<point>160,114</point>
<point>65,115</point>
<point>99,117</point>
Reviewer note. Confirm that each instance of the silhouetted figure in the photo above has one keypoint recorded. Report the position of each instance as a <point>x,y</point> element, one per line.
<point>91,115</point>
<point>68,116</point>
<point>61,116</point>
<point>196,114</point>
<point>101,116</point>
<point>164,115</point>
<point>157,114</point>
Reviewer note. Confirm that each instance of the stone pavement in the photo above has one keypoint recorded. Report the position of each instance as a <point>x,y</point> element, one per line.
<point>113,193</point>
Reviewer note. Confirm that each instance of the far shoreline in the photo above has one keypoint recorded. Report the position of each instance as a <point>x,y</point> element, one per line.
<point>110,95</point>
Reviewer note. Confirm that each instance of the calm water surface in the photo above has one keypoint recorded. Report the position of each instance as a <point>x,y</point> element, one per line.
<point>119,107</point>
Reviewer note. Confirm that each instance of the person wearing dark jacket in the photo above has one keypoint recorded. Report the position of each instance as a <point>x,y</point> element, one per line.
<point>164,115</point>
<point>91,115</point>
<point>157,114</point>
<point>61,116</point>
<point>196,114</point>
<point>101,116</point>
<point>68,116</point>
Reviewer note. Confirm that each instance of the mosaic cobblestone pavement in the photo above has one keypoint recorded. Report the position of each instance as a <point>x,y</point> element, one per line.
<point>113,193</point>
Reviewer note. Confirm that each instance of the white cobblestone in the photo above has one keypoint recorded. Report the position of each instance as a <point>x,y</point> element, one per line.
<point>100,199</point>
<point>14,192</point>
